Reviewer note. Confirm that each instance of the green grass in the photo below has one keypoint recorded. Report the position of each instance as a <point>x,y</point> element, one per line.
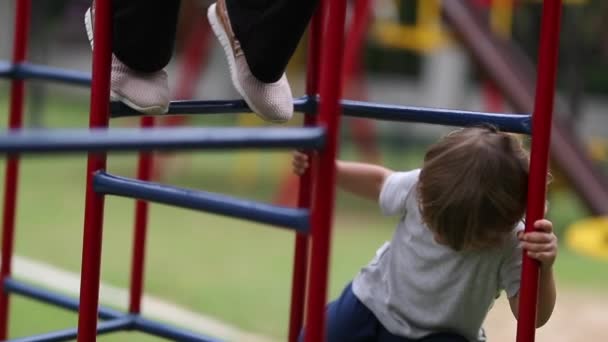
<point>42,319</point>
<point>235,271</point>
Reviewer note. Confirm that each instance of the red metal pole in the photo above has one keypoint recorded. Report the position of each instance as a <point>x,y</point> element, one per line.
<point>300,259</point>
<point>93,215</point>
<point>356,38</point>
<point>325,175</point>
<point>22,24</point>
<point>144,172</point>
<point>492,97</point>
<point>363,130</point>
<point>541,137</point>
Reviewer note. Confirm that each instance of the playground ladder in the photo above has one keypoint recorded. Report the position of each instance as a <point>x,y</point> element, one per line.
<point>311,220</point>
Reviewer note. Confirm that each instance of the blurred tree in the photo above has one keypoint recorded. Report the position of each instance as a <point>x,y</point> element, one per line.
<point>584,46</point>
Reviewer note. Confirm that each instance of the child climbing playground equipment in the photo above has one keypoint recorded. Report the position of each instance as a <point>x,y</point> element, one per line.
<point>311,220</point>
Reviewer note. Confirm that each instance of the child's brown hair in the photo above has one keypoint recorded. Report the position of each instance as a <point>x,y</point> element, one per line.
<point>473,186</point>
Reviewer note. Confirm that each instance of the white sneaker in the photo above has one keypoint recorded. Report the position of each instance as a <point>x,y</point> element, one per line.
<point>147,93</point>
<point>270,101</point>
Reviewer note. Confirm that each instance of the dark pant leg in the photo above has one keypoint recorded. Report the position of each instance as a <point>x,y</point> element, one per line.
<point>385,336</point>
<point>269,32</point>
<point>144,32</point>
<point>444,337</point>
<point>349,320</point>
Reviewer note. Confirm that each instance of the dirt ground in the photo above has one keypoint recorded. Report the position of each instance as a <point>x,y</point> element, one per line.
<point>578,316</point>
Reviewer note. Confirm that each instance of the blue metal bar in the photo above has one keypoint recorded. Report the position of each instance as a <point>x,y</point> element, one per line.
<point>6,70</point>
<point>42,72</point>
<point>516,123</point>
<point>46,296</point>
<point>116,320</point>
<point>163,330</point>
<point>118,109</point>
<point>125,139</point>
<point>297,219</point>
<point>117,324</point>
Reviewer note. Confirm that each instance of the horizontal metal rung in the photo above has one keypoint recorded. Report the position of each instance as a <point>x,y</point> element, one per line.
<point>45,73</point>
<point>117,324</point>
<point>190,107</point>
<point>115,320</point>
<point>297,219</point>
<point>132,139</point>
<point>49,297</point>
<point>6,69</point>
<point>516,123</point>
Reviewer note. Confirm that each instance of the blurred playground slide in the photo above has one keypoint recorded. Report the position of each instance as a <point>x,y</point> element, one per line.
<point>512,72</point>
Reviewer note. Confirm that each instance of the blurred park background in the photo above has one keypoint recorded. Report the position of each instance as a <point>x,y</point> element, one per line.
<point>238,274</point>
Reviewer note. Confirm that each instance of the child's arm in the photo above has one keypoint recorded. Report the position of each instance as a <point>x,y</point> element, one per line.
<point>361,179</point>
<point>542,246</point>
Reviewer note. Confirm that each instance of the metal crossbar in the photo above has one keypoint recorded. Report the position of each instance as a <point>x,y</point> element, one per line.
<point>515,123</point>
<point>29,71</point>
<point>115,320</point>
<point>116,324</point>
<point>297,219</point>
<point>14,286</point>
<point>198,107</point>
<point>138,139</point>
<point>6,70</point>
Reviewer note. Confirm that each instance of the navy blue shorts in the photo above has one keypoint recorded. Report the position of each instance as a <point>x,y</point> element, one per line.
<point>349,320</point>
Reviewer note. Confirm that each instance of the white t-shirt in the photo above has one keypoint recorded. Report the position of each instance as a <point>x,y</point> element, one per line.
<point>416,286</point>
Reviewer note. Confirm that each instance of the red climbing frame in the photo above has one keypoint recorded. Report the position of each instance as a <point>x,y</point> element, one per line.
<point>317,188</point>
<point>300,258</point>
<point>94,202</point>
<point>325,174</point>
<point>330,91</point>
<point>22,23</point>
<point>539,156</point>
<point>144,172</point>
